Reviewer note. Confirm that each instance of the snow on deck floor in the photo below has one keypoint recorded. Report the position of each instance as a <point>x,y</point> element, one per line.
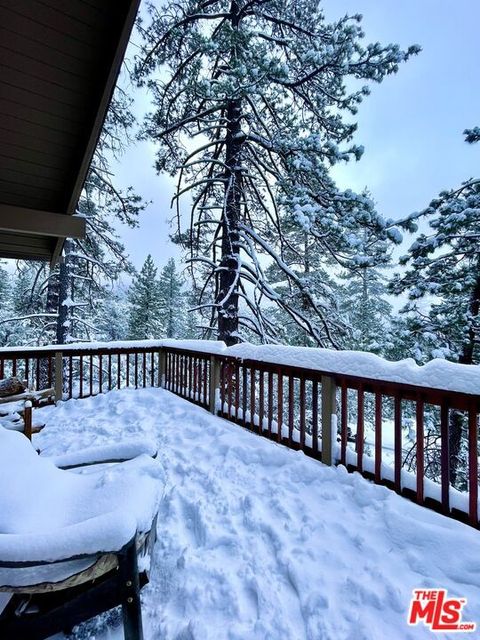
<point>257,542</point>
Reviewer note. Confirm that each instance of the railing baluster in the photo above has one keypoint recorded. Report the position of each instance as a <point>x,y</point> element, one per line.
<point>109,371</point>
<point>38,385</point>
<point>445,457</point>
<point>244,394</point>
<point>168,370</point>
<point>195,379</point>
<point>420,449</point>
<point>50,371</point>
<point>223,382</point>
<point>270,401</point>
<point>344,425</point>
<point>152,369</point>
<point>237,390</point>
<point>179,373</point>
<point>230,383</point>
<point>184,376</point>
<point>100,373</point>
<point>206,369</point>
<point>378,436</point>
<point>473,465</point>
<point>315,416</point>
<point>70,377</point>
<point>136,370</point>
<point>81,377</point>
<point>27,372</point>
<point>91,374</point>
<point>14,368</point>
<point>127,369</point>
<point>302,412</point>
<point>280,404</point>
<point>360,427</point>
<point>290,409</point>
<point>119,368</point>
<point>252,398</point>
<point>144,369</point>
<point>261,398</point>
<point>176,367</point>
<point>397,426</point>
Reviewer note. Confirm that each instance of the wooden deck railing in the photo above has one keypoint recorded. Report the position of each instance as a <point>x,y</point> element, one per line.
<point>335,418</point>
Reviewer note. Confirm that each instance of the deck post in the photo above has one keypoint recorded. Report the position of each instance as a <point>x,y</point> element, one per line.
<point>328,419</point>
<point>162,368</point>
<point>214,384</point>
<point>58,376</point>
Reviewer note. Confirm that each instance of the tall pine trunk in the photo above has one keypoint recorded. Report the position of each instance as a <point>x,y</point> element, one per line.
<point>227,276</point>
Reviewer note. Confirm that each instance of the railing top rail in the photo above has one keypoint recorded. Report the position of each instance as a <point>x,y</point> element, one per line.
<point>454,399</point>
<point>202,346</point>
<point>439,375</point>
<point>436,381</point>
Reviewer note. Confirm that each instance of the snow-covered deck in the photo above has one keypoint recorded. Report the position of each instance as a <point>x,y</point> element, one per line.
<point>258,542</point>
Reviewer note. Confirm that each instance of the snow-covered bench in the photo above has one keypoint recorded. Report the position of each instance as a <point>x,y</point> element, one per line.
<point>73,545</point>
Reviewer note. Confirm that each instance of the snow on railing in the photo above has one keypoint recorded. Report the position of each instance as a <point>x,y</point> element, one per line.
<point>413,428</point>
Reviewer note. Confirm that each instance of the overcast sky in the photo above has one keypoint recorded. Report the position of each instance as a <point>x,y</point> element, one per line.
<point>411,125</point>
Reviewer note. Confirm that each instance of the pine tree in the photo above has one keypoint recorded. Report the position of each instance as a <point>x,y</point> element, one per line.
<point>192,327</point>
<point>111,321</point>
<point>364,306</point>
<point>442,281</point>
<point>5,307</point>
<point>145,311</point>
<point>443,278</point>
<point>249,112</point>
<point>173,315</point>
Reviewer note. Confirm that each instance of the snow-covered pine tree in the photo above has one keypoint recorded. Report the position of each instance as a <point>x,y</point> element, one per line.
<point>111,320</point>
<point>145,304</point>
<point>319,273</point>
<point>442,281</point>
<point>363,299</point>
<point>292,317</point>
<point>250,98</point>
<point>364,306</point>
<point>192,327</point>
<point>443,278</point>
<point>25,319</point>
<point>6,304</point>
<point>173,301</point>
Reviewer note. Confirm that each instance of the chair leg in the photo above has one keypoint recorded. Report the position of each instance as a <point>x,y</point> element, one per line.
<point>131,607</point>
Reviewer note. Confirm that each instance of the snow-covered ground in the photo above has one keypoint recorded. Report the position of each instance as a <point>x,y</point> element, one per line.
<point>258,542</point>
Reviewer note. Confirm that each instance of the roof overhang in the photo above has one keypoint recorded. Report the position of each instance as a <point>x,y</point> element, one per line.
<point>59,63</point>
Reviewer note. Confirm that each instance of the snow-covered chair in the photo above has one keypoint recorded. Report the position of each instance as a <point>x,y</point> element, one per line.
<point>17,402</point>
<point>72,545</point>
